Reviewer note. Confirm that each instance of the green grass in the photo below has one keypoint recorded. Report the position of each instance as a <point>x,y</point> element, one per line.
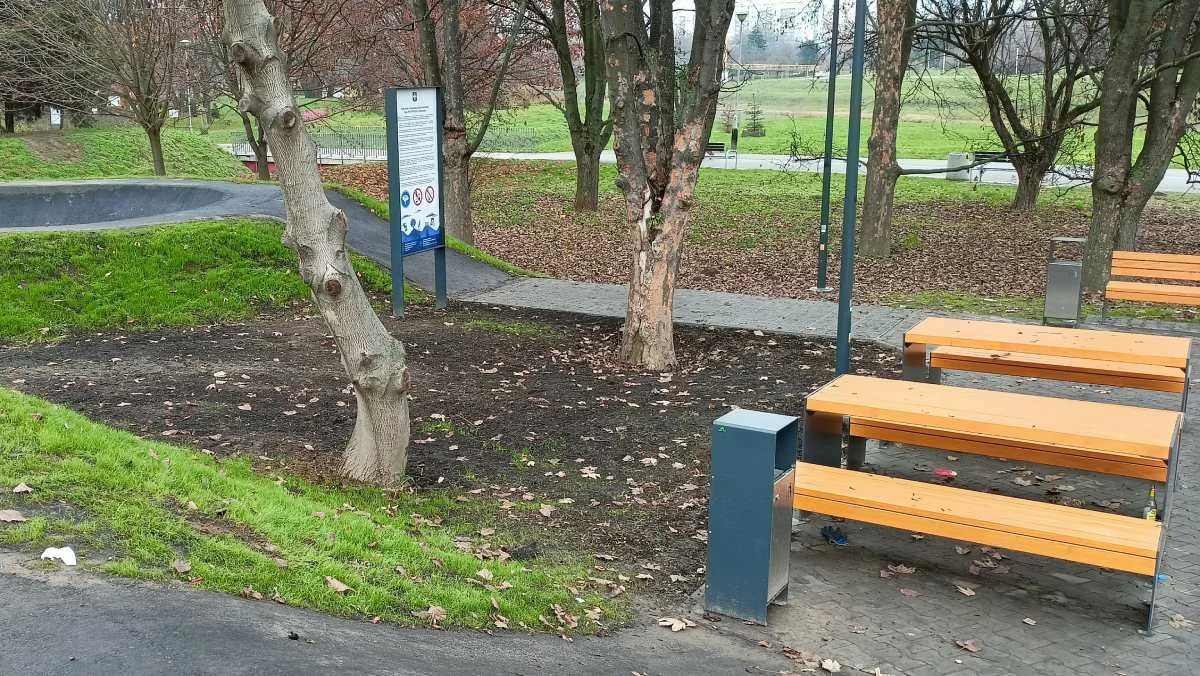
<point>380,208</point>
<point>132,507</point>
<point>507,328</point>
<point>111,152</point>
<point>174,275</point>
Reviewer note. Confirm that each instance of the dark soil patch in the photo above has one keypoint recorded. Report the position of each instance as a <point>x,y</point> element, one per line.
<point>50,146</point>
<point>540,425</point>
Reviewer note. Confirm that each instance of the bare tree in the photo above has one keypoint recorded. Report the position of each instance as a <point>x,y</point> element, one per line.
<point>573,32</point>
<point>895,39</point>
<point>1153,66</point>
<point>662,118</point>
<point>1035,62</point>
<point>442,42</point>
<point>316,231</point>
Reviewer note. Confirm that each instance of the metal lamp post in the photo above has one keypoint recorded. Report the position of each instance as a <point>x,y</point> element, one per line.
<point>827,174</point>
<point>737,106</point>
<point>850,206</point>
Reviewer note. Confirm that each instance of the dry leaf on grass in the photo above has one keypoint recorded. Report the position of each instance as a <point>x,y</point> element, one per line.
<point>485,574</point>
<point>22,488</point>
<point>11,516</point>
<point>434,614</point>
<point>182,567</point>
<point>337,585</point>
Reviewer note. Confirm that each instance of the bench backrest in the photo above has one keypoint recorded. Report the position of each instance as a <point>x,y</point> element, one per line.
<point>1155,265</point>
<point>714,147</point>
<point>990,156</point>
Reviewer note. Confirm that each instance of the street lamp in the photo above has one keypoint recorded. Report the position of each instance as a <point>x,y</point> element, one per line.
<point>737,107</point>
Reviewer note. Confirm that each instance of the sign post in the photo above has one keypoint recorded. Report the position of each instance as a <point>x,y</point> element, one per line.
<point>414,129</point>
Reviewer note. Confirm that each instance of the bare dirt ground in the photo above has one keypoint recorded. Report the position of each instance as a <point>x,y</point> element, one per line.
<point>531,410</point>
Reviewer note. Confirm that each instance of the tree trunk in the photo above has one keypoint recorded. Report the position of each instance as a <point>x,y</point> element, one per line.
<point>895,45</point>
<point>1101,238</point>
<point>648,338</point>
<point>1029,185</point>
<point>456,189</point>
<point>587,178</point>
<point>258,145</point>
<point>316,231</point>
<point>10,117</point>
<point>156,152</point>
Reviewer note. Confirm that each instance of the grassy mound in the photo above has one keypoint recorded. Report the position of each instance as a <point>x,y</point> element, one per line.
<point>173,275</point>
<point>111,152</point>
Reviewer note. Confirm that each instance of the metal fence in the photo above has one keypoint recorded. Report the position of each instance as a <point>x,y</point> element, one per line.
<point>370,143</point>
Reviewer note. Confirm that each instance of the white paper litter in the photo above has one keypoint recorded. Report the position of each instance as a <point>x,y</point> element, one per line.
<point>64,554</point>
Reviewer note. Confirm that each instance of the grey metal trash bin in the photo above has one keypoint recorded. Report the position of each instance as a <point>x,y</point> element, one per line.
<point>1064,283</point>
<point>958,160</point>
<point>750,513</point>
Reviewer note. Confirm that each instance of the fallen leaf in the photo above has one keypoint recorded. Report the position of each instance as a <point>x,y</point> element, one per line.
<point>182,567</point>
<point>249,593</point>
<point>1180,622</point>
<point>244,407</point>
<point>965,591</point>
<point>970,645</point>
<point>606,557</point>
<point>962,551</point>
<point>337,585</point>
<point>831,666</point>
<point>546,510</point>
<point>901,568</point>
<point>485,574</point>
<point>910,593</point>
<point>675,624</point>
<point>1020,481</point>
<point>22,488</point>
<point>11,516</point>
<point>1030,621</point>
<point>434,614</point>
<point>487,532</point>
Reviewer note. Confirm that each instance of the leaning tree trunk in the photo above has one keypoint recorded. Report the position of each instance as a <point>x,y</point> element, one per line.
<point>875,239</point>
<point>316,231</point>
<point>648,338</point>
<point>154,134</point>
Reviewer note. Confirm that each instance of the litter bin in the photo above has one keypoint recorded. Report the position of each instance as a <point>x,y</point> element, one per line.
<point>1064,282</point>
<point>958,160</point>
<point>750,513</point>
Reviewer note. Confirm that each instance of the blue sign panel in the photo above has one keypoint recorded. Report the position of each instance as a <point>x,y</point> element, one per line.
<point>416,167</point>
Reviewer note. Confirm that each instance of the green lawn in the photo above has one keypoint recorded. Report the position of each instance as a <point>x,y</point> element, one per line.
<point>111,152</point>
<point>151,510</point>
<point>173,275</point>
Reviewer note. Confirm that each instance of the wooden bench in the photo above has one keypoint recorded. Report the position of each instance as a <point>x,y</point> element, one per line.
<point>1101,539</point>
<point>714,148</point>
<point>1149,362</point>
<point>1141,265</point>
<point>1107,438</point>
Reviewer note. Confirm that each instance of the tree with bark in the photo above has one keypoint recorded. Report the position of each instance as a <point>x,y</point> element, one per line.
<point>1035,62</point>
<point>318,37</point>
<point>316,231</point>
<point>894,31</point>
<point>131,47</point>
<point>663,113</point>
<point>442,44</point>
<point>572,29</point>
<point>1150,81</point>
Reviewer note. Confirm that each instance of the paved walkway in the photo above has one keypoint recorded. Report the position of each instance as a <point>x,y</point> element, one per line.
<point>999,173</point>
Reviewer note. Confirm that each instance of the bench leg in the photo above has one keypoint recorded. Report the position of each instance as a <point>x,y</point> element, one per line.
<point>915,366</point>
<point>856,453</point>
<point>1160,560</point>
<point>1103,309</point>
<point>822,439</point>
<point>1187,385</point>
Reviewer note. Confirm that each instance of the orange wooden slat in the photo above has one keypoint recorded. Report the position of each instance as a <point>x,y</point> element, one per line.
<point>998,513</point>
<point>1019,418</point>
<point>1104,463</point>
<point>1134,348</point>
<point>1095,371</point>
<point>1156,273</point>
<point>1151,256</point>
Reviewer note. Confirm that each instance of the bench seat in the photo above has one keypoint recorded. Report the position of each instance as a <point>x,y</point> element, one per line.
<point>1101,539</point>
<point>1147,292</point>
<point>1071,369</point>
<point>1099,437</point>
